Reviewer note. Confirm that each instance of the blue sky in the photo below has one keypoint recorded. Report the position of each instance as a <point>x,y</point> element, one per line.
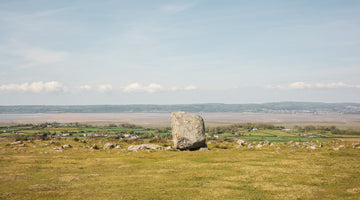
<point>167,52</point>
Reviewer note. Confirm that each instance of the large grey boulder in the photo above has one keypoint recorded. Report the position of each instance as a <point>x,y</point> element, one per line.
<point>188,131</point>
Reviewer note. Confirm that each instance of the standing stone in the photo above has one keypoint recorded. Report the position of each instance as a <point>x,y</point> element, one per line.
<point>188,131</point>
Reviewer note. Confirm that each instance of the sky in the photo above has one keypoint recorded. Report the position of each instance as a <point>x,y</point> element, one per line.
<point>79,52</point>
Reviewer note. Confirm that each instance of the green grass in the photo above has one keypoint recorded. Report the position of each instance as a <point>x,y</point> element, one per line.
<point>278,139</point>
<point>36,171</point>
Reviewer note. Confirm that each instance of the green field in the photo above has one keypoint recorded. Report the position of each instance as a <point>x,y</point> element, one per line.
<point>225,132</point>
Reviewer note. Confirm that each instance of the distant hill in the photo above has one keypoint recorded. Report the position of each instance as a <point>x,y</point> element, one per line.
<point>281,107</point>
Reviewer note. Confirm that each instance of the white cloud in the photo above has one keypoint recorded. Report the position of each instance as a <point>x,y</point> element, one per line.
<point>154,87</point>
<point>51,86</point>
<point>334,85</point>
<point>85,87</point>
<point>101,88</point>
<point>299,85</point>
<point>137,87</point>
<point>190,87</point>
<point>303,85</point>
<point>132,87</point>
<point>35,87</point>
<point>105,88</point>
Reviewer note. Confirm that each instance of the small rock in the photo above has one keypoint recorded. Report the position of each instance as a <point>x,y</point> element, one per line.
<point>241,142</point>
<point>108,146</point>
<point>83,141</point>
<point>354,145</point>
<point>204,149</point>
<point>117,146</point>
<point>168,148</point>
<point>259,146</point>
<point>342,146</point>
<point>296,144</point>
<point>313,147</point>
<point>145,147</point>
<point>15,143</point>
<point>336,149</point>
<point>94,147</point>
<point>66,146</point>
<point>250,146</point>
<point>266,143</point>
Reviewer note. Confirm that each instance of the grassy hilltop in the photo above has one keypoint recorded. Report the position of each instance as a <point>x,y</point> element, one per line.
<point>37,171</point>
<point>306,163</point>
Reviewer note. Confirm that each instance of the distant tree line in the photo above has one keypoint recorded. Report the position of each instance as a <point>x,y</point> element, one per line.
<point>324,129</point>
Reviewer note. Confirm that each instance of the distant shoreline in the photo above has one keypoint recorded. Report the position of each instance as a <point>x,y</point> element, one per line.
<point>272,108</point>
<point>148,119</point>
